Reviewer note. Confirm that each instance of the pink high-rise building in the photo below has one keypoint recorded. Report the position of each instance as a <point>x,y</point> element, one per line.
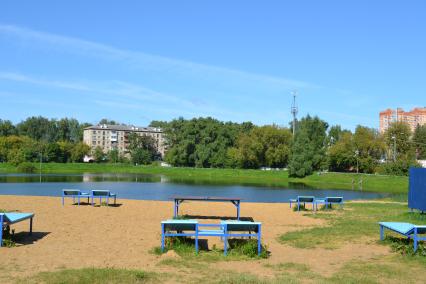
<point>416,116</point>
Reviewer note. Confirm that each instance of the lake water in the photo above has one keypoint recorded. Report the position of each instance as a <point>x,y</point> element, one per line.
<point>150,187</point>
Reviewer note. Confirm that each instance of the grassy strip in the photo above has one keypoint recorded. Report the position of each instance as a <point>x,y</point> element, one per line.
<point>387,184</point>
<point>238,249</point>
<point>93,275</point>
<point>354,222</point>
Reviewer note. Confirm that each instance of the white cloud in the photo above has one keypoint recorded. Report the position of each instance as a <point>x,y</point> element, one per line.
<point>148,61</point>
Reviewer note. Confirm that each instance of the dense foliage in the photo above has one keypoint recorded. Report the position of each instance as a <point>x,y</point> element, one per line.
<point>210,143</point>
<point>201,142</point>
<point>308,152</point>
<point>267,146</point>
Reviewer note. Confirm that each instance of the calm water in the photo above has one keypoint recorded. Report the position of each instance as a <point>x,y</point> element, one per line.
<point>148,187</point>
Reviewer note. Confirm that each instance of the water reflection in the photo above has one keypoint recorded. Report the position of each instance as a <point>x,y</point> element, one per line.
<point>86,177</point>
<point>157,187</point>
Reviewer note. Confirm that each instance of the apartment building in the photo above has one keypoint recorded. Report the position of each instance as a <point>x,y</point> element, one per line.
<point>109,137</point>
<point>414,117</point>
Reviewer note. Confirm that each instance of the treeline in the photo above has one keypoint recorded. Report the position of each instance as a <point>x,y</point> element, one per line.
<point>207,142</point>
<point>50,140</point>
<point>210,143</point>
<point>39,138</point>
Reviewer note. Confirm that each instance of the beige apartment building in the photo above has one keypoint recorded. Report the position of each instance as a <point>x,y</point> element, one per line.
<point>416,116</point>
<point>109,137</point>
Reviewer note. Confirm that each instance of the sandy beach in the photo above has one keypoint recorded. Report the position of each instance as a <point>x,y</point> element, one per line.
<point>74,236</point>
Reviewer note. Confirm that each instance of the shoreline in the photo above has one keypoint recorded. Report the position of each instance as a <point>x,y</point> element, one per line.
<point>344,181</point>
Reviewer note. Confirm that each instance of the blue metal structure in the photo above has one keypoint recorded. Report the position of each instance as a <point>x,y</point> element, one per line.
<point>405,229</point>
<point>242,229</point>
<point>226,230</point>
<point>74,193</point>
<point>12,218</point>
<point>328,201</point>
<point>417,189</point>
<point>179,199</point>
<point>303,200</point>
<point>102,194</point>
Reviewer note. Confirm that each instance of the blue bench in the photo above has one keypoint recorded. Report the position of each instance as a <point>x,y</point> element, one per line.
<point>102,194</point>
<point>225,230</point>
<point>328,201</point>
<point>303,200</point>
<point>242,229</point>
<point>13,218</point>
<point>74,193</point>
<point>406,229</point>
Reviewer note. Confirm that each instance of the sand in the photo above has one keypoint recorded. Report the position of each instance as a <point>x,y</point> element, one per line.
<point>74,236</point>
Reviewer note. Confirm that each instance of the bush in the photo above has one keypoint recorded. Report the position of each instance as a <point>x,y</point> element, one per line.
<point>247,247</point>
<point>406,247</point>
<point>398,168</point>
<point>8,237</point>
<point>26,167</point>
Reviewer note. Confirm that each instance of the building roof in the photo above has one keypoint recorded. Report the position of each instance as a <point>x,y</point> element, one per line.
<point>121,127</point>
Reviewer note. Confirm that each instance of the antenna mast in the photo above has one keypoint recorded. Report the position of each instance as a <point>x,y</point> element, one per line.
<point>294,111</point>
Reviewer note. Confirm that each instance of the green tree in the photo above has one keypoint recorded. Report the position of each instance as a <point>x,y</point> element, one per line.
<point>113,156</point>
<point>38,128</point>
<point>309,148</point>
<point>263,146</point>
<point>142,148</point>
<point>370,148</point>
<point>78,152</point>
<point>341,154</point>
<point>7,128</point>
<point>397,138</point>
<point>201,142</point>
<point>419,141</point>
<point>52,153</point>
<point>98,155</point>
<point>158,123</point>
<point>108,122</point>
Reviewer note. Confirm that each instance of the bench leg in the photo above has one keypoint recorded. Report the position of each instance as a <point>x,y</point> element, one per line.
<point>162,237</point>
<point>31,226</point>
<point>238,210</point>
<point>382,233</point>
<point>225,245</point>
<point>1,230</point>
<point>415,244</point>
<point>259,241</point>
<point>415,239</point>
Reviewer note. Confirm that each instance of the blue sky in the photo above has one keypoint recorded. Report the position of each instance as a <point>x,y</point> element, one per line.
<point>137,61</point>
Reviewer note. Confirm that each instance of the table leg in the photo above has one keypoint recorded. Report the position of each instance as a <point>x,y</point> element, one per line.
<point>1,230</point>
<point>31,226</point>
<point>238,210</point>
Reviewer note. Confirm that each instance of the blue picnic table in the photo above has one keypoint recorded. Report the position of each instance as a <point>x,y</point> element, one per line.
<point>179,199</point>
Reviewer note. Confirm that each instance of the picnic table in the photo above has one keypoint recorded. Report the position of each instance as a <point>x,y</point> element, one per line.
<point>179,199</point>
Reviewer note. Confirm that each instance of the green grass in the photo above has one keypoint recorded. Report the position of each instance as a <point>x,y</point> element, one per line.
<point>376,183</point>
<point>93,275</point>
<point>354,222</point>
<point>238,249</point>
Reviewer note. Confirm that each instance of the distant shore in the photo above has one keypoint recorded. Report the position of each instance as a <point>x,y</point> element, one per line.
<point>348,181</point>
